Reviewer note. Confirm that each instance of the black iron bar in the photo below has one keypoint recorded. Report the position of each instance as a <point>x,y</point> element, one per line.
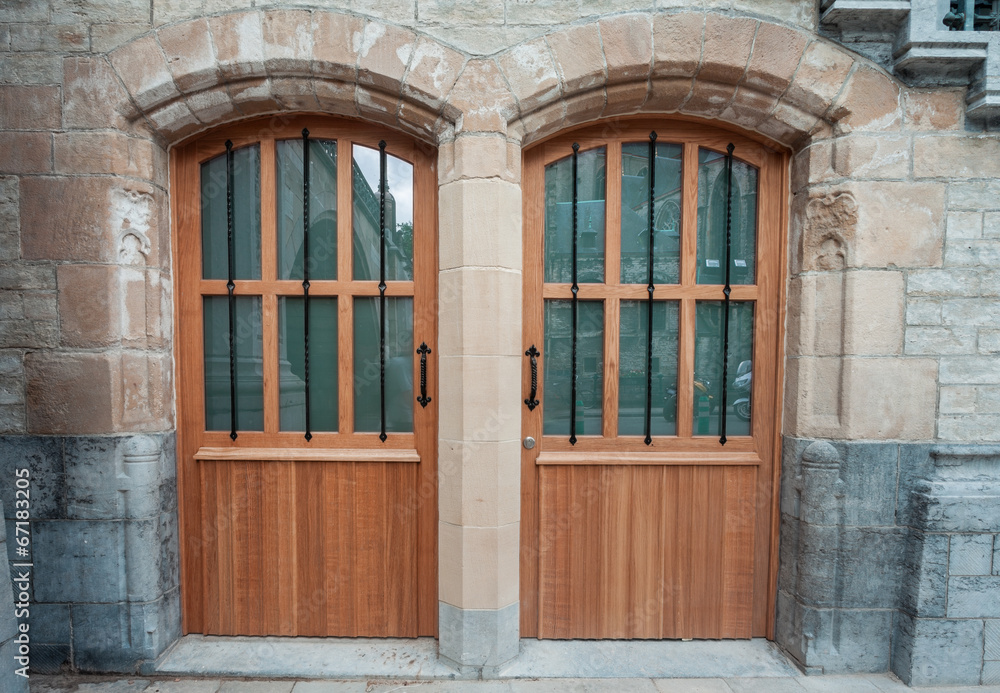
<point>532,400</point>
<point>726,291</point>
<point>230,286</point>
<point>305,268</point>
<point>382,185</point>
<point>650,288</point>
<point>423,399</point>
<point>575,289</point>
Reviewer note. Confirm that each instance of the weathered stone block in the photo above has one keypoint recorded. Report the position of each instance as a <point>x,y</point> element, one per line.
<point>937,652</point>
<point>908,415</point>
<point>836,641</point>
<point>956,156</point>
<point>962,225</point>
<point>873,307</point>
<point>58,384</point>
<point>190,55</point>
<point>545,12</point>
<point>50,624</point>
<point>239,45</point>
<point>54,38</point>
<point>677,44</point>
<point>25,152</point>
<point>491,202</point>
<point>383,55</point>
<point>82,559</point>
<point>924,591</point>
<point>991,674</point>
<point>433,71</point>
<point>923,311</point>
<point>966,370</point>
<point>628,47</point>
<point>726,49</point>
<point>973,195</point>
<point>336,43</point>
<point>864,156</point>
<point>933,341</point>
<point>532,74</point>
<point>30,107</point>
<point>143,69</point>
<point>478,566</point>
<point>819,78</point>
<point>971,554</point>
<point>868,472</point>
<point>942,282</point>
<point>89,305</point>
<point>107,37</point>
<point>92,467</point>
<point>900,224</point>
<point>288,42</point>
<point>991,651</point>
<point>472,12</point>
<point>776,55</point>
<point>933,110</point>
<point>973,597</point>
<point>43,456</point>
<point>91,94</point>
<point>478,637</point>
<point>579,57</point>
<point>485,104</point>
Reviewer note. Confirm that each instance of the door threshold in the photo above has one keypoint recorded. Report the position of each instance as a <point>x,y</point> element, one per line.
<point>417,659</point>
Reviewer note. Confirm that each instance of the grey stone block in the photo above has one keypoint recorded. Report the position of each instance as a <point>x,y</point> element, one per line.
<point>991,673</point>
<point>915,463</point>
<point>869,474</point>
<point>991,650</point>
<point>92,484</point>
<point>788,565</point>
<point>850,567</point>
<point>43,455</point>
<point>971,554</point>
<point>49,659</point>
<point>996,554</point>
<point>925,575</point>
<point>169,552</point>
<point>835,641</point>
<point>974,597</point>
<point>50,624</point>
<point>82,561</point>
<point>474,638</point>
<point>937,652</point>
<point>100,638</point>
<point>10,680</point>
<point>791,460</point>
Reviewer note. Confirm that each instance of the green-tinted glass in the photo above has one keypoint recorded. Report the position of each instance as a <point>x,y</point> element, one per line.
<point>322,363</point>
<point>666,213</point>
<point>246,216</point>
<point>399,355</point>
<point>590,176</point>
<point>557,362</point>
<point>322,209</point>
<point>249,349</point>
<point>708,350</point>
<point>398,216</point>
<point>632,369</point>
<point>712,195</point>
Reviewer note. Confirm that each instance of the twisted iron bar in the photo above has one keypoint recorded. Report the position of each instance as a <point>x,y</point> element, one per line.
<point>382,185</point>
<point>230,287</point>
<point>575,289</point>
<point>305,269</point>
<point>650,288</point>
<point>726,291</point>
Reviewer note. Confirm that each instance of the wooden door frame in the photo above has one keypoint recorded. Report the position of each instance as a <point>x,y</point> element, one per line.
<point>421,445</point>
<point>773,200</point>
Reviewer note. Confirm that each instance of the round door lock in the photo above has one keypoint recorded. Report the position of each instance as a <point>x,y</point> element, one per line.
<point>529,443</point>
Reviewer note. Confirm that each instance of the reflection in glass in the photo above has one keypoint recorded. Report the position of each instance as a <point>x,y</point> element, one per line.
<point>557,367</point>
<point>398,216</point>
<point>666,213</point>
<point>322,363</point>
<point>590,218</point>
<point>249,362</point>
<point>399,355</point>
<point>632,369</point>
<point>709,328</point>
<point>322,209</point>
<point>712,190</point>
<point>246,216</point>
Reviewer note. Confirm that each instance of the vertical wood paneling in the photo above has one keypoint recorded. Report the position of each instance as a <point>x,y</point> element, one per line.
<point>646,552</point>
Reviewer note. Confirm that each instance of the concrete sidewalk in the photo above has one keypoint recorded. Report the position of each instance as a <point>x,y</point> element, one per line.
<point>867,683</point>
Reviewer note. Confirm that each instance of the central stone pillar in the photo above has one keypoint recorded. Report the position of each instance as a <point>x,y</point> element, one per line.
<point>479,434</point>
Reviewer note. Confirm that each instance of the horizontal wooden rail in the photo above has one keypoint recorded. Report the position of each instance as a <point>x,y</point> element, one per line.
<point>306,455</point>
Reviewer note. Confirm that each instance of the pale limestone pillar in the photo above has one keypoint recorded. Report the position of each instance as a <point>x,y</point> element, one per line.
<point>480,338</point>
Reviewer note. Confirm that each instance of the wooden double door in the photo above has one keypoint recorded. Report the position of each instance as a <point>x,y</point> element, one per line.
<point>305,255</point>
<point>652,339</point>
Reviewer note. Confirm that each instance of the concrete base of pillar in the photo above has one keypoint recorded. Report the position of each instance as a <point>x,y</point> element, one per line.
<point>478,639</point>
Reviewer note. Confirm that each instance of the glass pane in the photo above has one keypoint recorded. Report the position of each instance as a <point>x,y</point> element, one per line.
<point>590,176</point>
<point>632,369</point>
<point>712,220</point>
<point>666,214</point>
<point>249,349</point>
<point>398,216</point>
<point>557,366</point>
<point>708,368</point>
<point>399,355</point>
<point>322,363</point>
<point>246,216</point>
<point>322,209</point>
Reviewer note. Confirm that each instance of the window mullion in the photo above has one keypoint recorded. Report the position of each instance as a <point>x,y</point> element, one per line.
<point>612,277</point>
<point>689,215</point>
<point>269,269</point>
<point>612,321</point>
<point>685,368</point>
<point>345,302</point>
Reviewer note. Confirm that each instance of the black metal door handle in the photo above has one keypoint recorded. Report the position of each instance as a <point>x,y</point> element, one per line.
<point>533,353</point>
<point>423,351</point>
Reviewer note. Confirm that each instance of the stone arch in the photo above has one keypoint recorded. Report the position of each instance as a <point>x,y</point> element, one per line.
<point>187,77</point>
<point>781,82</point>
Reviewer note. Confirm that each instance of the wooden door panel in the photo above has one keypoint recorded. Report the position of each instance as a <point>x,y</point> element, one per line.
<point>646,552</point>
<point>309,548</point>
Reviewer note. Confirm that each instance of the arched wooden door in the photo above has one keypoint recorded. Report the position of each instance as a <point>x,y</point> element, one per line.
<point>307,362</point>
<point>652,338</point>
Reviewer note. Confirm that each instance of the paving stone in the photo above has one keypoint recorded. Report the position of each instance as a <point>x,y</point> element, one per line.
<point>583,686</point>
<point>184,686</point>
<point>764,685</point>
<point>691,686</point>
<point>855,683</point>
<point>256,687</point>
